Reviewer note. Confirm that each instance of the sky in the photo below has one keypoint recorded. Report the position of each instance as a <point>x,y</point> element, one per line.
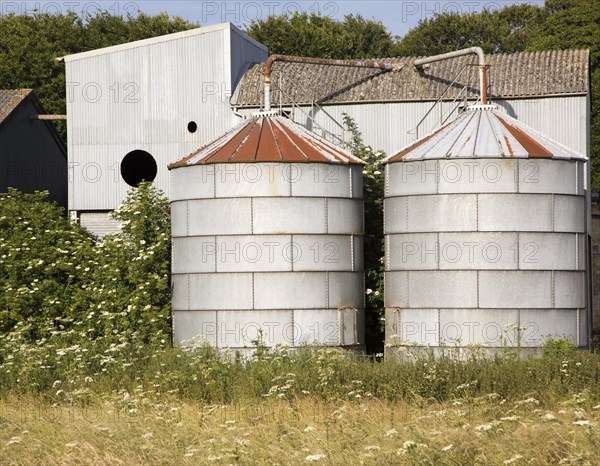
<point>397,15</point>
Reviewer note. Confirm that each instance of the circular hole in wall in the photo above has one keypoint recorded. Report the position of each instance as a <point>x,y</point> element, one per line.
<point>192,126</point>
<point>137,166</point>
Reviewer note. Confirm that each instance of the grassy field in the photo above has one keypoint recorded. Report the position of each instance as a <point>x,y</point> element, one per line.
<point>85,403</point>
<point>486,430</point>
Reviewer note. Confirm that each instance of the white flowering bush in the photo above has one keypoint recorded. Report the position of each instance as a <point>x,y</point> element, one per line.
<point>373,182</point>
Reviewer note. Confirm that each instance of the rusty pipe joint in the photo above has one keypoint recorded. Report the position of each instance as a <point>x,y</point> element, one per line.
<point>383,66</point>
<point>419,62</point>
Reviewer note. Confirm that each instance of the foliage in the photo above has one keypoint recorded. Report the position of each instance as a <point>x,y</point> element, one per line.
<point>574,24</point>
<point>30,44</point>
<point>323,37</point>
<point>559,348</point>
<point>54,275</point>
<point>504,30</point>
<point>373,188</point>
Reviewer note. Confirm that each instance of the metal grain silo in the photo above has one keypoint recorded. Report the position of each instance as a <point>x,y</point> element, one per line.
<point>485,236</point>
<point>267,225</point>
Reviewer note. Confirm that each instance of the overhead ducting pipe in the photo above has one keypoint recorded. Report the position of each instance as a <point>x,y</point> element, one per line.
<point>473,50</point>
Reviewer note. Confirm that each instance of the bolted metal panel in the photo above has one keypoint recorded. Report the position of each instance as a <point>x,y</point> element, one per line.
<point>196,183</point>
<point>396,289</point>
<point>295,290</point>
<point>196,254</point>
<point>548,251</point>
<point>251,179</point>
<point>216,291</point>
<point>412,178</point>
<point>412,251</point>
<point>515,212</point>
<point>181,292</point>
<point>420,327</point>
<point>478,251</point>
<point>454,212</point>
<point>352,324</point>
<point>194,328</point>
<point>569,290</point>
<point>179,218</point>
<point>478,176</point>
<point>289,215</point>
<point>569,214</point>
<point>358,253</point>
<point>316,326</point>
<point>254,253</point>
<point>320,180</point>
<point>237,329</point>
<point>515,289</point>
<point>486,327</point>
<point>549,176</point>
<point>345,216</point>
<point>541,324</point>
<point>395,214</point>
<point>356,177</point>
<point>346,289</point>
<point>322,253</point>
<point>219,217</point>
<point>456,289</point>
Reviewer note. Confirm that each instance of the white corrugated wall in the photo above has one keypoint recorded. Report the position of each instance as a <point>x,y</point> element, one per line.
<point>392,126</point>
<point>143,98</point>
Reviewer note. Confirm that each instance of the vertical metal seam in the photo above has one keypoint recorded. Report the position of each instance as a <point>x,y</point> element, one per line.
<point>477,211</point>
<point>216,328</point>
<point>327,290</point>
<point>292,250</point>
<point>553,288</point>
<point>326,216</point>
<point>251,215</point>
<point>478,288</point>
<point>350,184</point>
<point>352,253</point>
<point>406,198</point>
<point>408,288</point>
<point>187,276</point>
<point>553,213</point>
<point>187,218</point>
<point>253,303</point>
<point>437,256</point>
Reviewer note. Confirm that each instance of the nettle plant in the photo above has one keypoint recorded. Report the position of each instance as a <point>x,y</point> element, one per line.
<point>57,279</point>
<point>373,180</point>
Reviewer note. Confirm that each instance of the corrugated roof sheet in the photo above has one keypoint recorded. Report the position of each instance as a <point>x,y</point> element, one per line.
<point>523,74</point>
<point>268,139</point>
<point>484,132</point>
<point>9,100</point>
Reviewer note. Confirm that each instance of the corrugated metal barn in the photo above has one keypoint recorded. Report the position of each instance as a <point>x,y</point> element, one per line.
<point>32,154</point>
<point>164,97</point>
<point>548,91</point>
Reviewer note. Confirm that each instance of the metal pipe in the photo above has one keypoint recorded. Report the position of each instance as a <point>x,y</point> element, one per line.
<point>318,61</point>
<point>458,53</point>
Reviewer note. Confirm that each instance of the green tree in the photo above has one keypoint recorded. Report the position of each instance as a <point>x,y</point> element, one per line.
<point>30,44</point>
<point>504,30</point>
<point>575,24</point>
<point>323,37</point>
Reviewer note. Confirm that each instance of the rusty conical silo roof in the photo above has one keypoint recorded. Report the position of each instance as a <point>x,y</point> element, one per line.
<point>482,131</point>
<point>268,139</point>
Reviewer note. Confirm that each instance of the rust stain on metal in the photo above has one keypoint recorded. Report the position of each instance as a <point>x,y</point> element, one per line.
<point>510,149</point>
<point>402,153</point>
<point>268,139</point>
<point>533,148</point>
<point>268,150</point>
